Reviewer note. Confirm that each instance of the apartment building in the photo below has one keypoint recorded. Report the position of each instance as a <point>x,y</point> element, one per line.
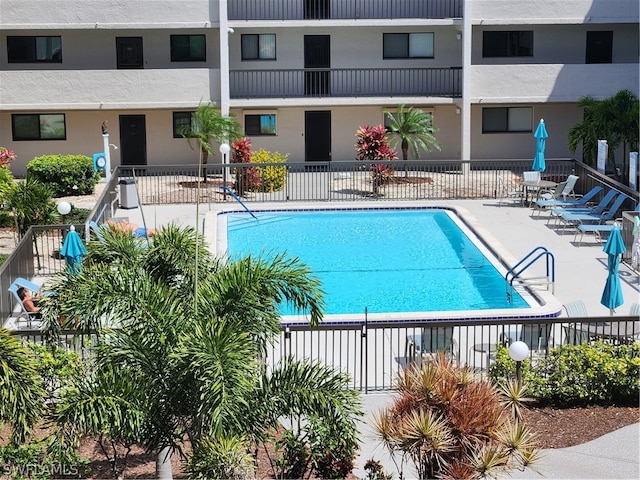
<point>302,75</point>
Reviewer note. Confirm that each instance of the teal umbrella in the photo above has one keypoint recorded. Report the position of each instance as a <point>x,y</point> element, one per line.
<point>614,248</point>
<point>73,250</point>
<point>541,140</point>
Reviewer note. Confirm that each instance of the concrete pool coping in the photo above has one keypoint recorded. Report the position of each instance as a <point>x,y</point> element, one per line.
<point>547,306</point>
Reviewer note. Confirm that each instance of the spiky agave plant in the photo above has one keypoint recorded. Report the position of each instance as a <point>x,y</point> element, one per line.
<point>450,423</point>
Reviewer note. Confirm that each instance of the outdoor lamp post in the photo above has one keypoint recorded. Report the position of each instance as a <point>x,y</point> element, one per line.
<point>224,150</point>
<point>518,351</point>
<point>63,209</point>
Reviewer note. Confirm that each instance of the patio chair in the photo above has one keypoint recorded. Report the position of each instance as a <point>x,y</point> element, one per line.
<point>24,313</point>
<point>601,217</point>
<point>576,308</point>
<point>574,335</point>
<point>429,343</point>
<point>634,311</point>
<point>579,201</point>
<point>505,192</point>
<point>538,339</point>
<point>558,212</point>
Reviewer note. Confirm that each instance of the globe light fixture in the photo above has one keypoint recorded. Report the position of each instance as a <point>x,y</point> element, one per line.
<point>63,209</point>
<point>518,351</point>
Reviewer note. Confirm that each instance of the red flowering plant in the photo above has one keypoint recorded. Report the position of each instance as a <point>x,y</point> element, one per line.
<point>247,178</point>
<point>6,157</point>
<point>372,144</point>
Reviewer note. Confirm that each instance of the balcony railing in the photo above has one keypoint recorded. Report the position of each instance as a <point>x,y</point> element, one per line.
<point>342,9</point>
<point>343,82</point>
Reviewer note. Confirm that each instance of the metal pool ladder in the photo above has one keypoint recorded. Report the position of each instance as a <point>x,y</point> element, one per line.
<point>512,277</point>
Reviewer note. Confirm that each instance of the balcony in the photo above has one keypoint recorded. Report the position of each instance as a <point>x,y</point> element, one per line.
<point>550,83</point>
<point>343,82</point>
<point>126,89</point>
<point>343,9</point>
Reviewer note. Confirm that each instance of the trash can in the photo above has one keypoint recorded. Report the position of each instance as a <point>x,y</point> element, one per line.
<point>128,196</point>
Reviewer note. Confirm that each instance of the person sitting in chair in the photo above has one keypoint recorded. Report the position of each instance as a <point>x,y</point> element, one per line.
<point>30,303</point>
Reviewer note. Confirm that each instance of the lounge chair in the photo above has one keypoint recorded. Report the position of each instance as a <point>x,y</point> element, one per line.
<point>598,229</point>
<point>24,313</point>
<point>558,212</point>
<point>576,308</point>
<point>576,219</point>
<point>576,200</point>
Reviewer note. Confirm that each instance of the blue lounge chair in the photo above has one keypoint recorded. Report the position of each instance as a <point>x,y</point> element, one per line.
<point>577,219</point>
<point>579,202</point>
<point>601,207</point>
<point>597,229</point>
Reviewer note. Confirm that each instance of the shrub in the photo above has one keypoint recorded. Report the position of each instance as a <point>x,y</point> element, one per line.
<point>221,458</point>
<point>372,145</point>
<point>30,203</point>
<point>247,178</point>
<point>597,372</point>
<point>272,178</point>
<point>451,424</point>
<point>65,174</point>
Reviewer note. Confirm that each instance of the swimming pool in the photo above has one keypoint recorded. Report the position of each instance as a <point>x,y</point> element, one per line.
<point>397,263</point>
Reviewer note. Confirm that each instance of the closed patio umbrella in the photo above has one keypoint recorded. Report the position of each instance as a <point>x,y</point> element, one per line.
<point>541,139</point>
<point>73,250</point>
<point>612,295</point>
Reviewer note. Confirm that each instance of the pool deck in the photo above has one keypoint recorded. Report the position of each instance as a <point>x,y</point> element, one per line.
<point>512,232</point>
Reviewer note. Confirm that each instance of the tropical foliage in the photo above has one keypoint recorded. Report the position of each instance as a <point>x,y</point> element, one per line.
<point>184,363</point>
<point>413,130</point>
<point>450,424</point>
<point>209,125</point>
<point>30,203</point>
<point>372,145</point>
<point>64,174</point>
<point>265,178</point>
<point>614,119</point>
<point>591,373</point>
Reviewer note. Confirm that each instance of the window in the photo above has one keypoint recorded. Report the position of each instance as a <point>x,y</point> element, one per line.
<point>599,47</point>
<point>407,45</point>
<point>259,47</point>
<point>183,124</point>
<point>507,44</point>
<point>507,119</point>
<point>188,48</point>
<point>34,49</point>
<point>38,126</point>
<point>263,124</point>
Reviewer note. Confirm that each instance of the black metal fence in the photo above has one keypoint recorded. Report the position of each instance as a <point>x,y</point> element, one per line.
<point>372,354</point>
<point>346,82</point>
<point>342,9</point>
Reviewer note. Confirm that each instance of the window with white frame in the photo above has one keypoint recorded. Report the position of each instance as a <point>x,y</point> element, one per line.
<point>261,124</point>
<point>258,46</point>
<point>38,126</point>
<point>507,119</point>
<point>407,45</point>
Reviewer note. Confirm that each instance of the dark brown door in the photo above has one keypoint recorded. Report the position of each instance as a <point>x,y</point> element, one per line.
<point>317,62</point>
<point>129,52</point>
<point>317,134</point>
<point>133,140</point>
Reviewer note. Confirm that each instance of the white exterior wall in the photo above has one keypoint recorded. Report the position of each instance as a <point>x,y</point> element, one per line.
<point>34,14</point>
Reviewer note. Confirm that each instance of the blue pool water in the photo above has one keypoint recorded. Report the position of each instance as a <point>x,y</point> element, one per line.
<point>383,260</point>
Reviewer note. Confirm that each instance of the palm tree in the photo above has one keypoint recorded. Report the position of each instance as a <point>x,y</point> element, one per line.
<point>413,130</point>
<point>614,119</point>
<point>209,125</point>
<point>21,392</point>
<point>192,352</point>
